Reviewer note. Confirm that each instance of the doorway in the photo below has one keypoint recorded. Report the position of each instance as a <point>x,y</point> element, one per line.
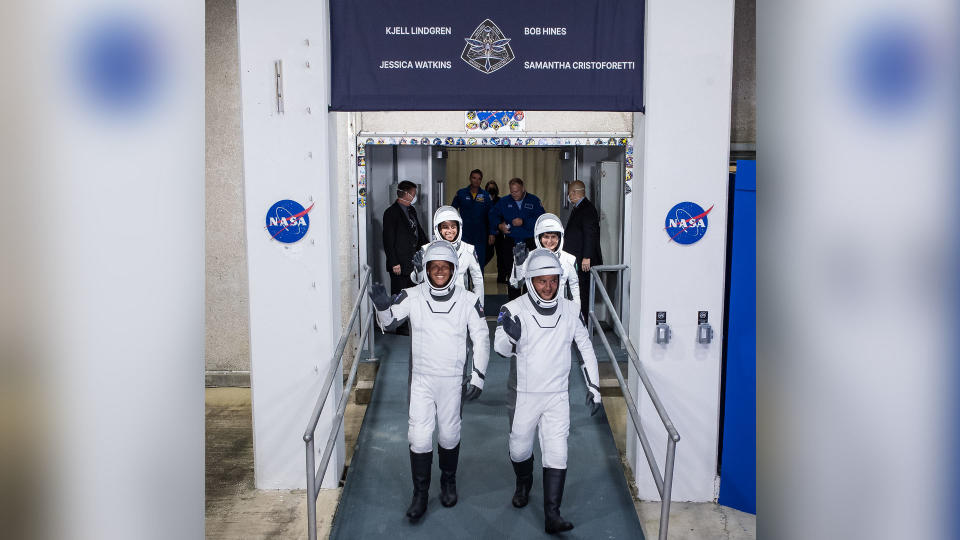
<point>547,166</point>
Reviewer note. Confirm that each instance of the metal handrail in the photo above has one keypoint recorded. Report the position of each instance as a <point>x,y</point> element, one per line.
<point>315,475</point>
<point>664,483</point>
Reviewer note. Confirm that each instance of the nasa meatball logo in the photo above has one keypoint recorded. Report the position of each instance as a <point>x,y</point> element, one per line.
<point>288,221</point>
<point>686,223</point>
<point>487,49</point>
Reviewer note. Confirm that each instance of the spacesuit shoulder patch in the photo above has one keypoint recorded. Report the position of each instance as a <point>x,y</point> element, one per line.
<point>399,297</point>
<point>479,308</point>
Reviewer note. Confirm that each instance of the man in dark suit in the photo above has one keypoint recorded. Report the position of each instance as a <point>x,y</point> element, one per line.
<point>581,238</point>
<point>402,238</point>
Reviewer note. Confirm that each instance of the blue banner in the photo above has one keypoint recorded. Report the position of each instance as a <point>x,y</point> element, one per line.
<point>495,54</point>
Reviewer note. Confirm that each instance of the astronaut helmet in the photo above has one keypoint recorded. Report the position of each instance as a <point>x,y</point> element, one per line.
<point>541,262</point>
<point>447,213</point>
<point>548,223</point>
<point>441,250</point>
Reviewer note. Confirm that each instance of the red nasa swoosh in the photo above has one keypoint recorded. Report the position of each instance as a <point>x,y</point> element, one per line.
<point>694,218</point>
<point>301,214</point>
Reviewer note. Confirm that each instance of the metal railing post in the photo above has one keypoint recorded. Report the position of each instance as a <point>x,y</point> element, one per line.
<point>623,339</point>
<point>370,353</point>
<point>590,306</point>
<point>667,488</point>
<point>311,493</point>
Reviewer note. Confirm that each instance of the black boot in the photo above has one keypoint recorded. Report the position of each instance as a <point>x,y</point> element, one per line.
<point>524,472</point>
<point>448,474</point>
<point>553,480</point>
<point>420,465</point>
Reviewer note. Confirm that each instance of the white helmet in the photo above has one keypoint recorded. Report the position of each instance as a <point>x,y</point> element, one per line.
<point>447,213</point>
<point>548,223</point>
<point>541,262</point>
<point>441,250</point>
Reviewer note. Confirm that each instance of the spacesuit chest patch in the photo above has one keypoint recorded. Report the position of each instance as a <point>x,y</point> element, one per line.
<point>399,297</point>
<point>438,307</point>
<point>547,321</point>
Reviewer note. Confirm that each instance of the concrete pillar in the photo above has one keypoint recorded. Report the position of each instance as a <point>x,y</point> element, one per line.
<point>228,328</point>
<point>294,288</point>
<point>683,143</point>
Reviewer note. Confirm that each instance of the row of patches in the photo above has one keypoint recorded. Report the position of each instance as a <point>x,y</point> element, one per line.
<point>496,141</point>
<point>495,120</point>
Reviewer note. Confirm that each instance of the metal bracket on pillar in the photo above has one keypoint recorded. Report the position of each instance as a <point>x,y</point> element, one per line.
<point>278,72</point>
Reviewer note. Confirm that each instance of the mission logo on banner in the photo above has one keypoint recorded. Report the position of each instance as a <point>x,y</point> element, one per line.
<point>495,54</point>
<point>686,222</point>
<point>288,221</point>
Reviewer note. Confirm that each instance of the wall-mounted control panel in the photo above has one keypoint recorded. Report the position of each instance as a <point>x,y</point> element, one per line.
<point>704,331</point>
<point>663,329</point>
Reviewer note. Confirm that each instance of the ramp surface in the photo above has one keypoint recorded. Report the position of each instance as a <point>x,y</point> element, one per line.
<point>378,486</point>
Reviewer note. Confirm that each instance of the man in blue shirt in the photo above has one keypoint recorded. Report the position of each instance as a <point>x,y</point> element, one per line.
<point>474,206</point>
<point>515,216</point>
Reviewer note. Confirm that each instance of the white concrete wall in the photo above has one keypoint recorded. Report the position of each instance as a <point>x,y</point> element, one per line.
<point>295,289</point>
<point>685,148</point>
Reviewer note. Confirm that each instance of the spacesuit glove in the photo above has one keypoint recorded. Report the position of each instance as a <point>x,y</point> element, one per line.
<point>378,294</point>
<point>418,261</point>
<point>476,379</point>
<point>519,254</point>
<point>510,324</point>
<point>470,392</point>
<point>594,402</point>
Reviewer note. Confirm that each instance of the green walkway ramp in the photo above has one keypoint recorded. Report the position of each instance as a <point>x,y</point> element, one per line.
<point>378,486</point>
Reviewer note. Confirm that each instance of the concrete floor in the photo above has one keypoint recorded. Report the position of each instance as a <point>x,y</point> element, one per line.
<point>688,521</point>
<point>235,510</point>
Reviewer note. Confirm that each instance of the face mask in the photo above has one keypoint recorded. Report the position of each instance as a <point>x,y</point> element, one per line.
<point>414,201</point>
<point>569,200</point>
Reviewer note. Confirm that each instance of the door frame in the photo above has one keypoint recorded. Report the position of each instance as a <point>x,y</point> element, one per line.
<point>465,140</point>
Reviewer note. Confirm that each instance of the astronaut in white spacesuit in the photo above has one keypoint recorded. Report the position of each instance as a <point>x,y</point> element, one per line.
<point>536,331</point>
<point>441,315</point>
<point>448,225</point>
<point>548,234</point>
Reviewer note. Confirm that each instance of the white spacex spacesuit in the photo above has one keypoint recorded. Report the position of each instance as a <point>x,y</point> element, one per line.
<point>440,319</point>
<point>466,253</point>
<point>568,279</point>
<point>537,334</point>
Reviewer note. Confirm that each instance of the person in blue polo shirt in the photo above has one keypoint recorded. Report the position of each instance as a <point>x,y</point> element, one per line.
<point>515,216</point>
<point>474,205</point>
